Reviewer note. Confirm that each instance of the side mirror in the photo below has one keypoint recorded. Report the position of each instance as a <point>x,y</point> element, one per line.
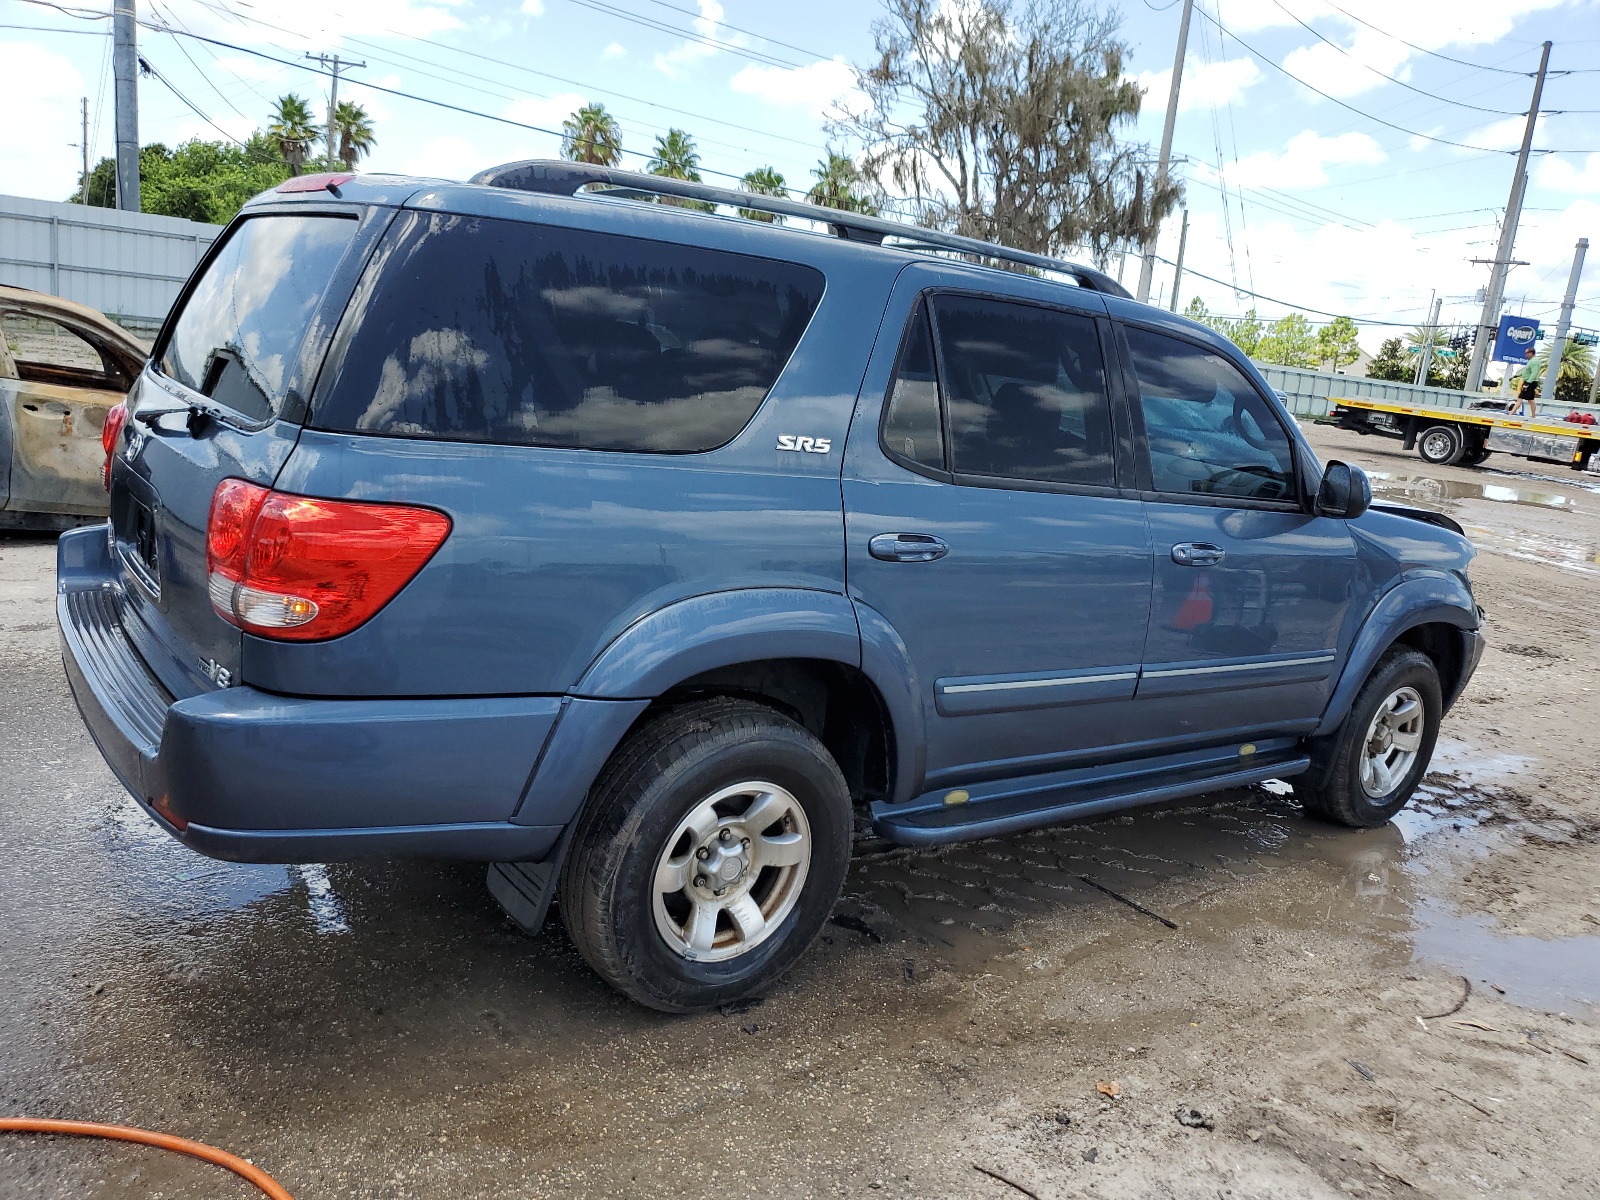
<point>1345,492</point>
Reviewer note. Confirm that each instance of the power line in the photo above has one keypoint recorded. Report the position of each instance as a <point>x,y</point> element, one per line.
<point>1303,308</point>
<point>690,35</point>
<point>1352,108</point>
<point>1381,75</point>
<point>1420,49</point>
<point>689,12</point>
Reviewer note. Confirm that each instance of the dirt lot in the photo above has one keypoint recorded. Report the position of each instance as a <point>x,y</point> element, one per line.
<point>1413,1010</point>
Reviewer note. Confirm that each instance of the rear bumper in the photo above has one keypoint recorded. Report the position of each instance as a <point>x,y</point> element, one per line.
<point>249,776</point>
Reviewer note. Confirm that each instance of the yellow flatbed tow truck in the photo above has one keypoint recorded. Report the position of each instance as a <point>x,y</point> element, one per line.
<point>1467,436</point>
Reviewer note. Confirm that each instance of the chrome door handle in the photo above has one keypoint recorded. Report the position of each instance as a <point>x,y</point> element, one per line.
<point>1197,554</point>
<point>907,547</point>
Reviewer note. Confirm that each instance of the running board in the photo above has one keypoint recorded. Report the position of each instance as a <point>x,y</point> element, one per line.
<point>1012,805</point>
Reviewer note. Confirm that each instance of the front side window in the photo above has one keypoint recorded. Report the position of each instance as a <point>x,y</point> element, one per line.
<point>482,330</point>
<point>1025,392</point>
<point>239,336</point>
<point>1209,431</point>
<point>46,351</point>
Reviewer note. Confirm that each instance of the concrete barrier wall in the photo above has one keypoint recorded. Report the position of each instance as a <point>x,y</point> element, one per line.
<point>128,265</point>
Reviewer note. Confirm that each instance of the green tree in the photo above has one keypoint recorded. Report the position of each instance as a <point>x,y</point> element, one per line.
<point>1001,120</point>
<point>763,181</point>
<point>293,129</point>
<point>1337,343</point>
<point>208,181</point>
<point>676,157</point>
<point>1246,332</point>
<point>353,128</point>
<point>592,135</point>
<point>840,184</point>
<point>1289,342</point>
<point>102,186</point>
<point>1196,310</point>
<point>1391,363</point>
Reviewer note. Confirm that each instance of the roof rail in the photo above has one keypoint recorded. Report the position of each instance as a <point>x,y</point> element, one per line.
<point>562,178</point>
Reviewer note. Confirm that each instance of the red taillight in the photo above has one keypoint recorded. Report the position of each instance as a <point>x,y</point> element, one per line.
<point>116,418</point>
<point>305,569</point>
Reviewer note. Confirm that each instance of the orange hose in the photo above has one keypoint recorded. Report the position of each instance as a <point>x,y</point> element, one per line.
<point>163,1141</point>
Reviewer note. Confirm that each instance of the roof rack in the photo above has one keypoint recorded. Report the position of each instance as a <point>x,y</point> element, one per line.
<point>562,178</point>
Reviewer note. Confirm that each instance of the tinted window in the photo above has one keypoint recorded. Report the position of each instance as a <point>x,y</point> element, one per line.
<point>501,331</point>
<point>1025,392</point>
<point>241,330</point>
<point>911,425</point>
<point>1210,432</point>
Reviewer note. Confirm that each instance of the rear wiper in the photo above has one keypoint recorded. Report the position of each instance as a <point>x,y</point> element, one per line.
<point>196,413</point>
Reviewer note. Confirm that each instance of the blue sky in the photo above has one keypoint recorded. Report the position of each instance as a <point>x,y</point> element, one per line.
<point>1291,194</point>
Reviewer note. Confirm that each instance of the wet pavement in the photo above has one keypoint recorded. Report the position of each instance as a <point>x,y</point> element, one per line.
<point>383,1030</point>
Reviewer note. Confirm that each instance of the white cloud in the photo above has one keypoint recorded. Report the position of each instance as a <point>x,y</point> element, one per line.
<point>547,112</point>
<point>1505,134</point>
<point>614,50</point>
<point>533,8</point>
<point>42,91</point>
<point>1344,71</point>
<point>817,87</point>
<point>1304,160</point>
<point>317,23</point>
<point>445,158</point>
<point>1560,175</point>
<point>675,62</point>
<point>1204,84</point>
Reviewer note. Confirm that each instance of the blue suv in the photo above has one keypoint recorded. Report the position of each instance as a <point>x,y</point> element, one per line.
<point>652,556</point>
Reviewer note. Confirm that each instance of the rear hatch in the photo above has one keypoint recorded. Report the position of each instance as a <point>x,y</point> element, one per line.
<point>223,398</point>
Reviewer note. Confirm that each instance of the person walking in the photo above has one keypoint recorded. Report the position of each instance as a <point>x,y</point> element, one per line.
<point>1528,392</point>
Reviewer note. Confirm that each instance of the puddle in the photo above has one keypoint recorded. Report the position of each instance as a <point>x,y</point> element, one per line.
<point>1558,974</point>
<point>1427,492</point>
<point>1578,558</point>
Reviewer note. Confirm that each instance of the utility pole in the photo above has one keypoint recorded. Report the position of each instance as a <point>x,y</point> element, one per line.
<point>1431,333</point>
<point>1490,316</point>
<point>1148,265</point>
<point>1558,344</point>
<point>1177,271</point>
<point>83,184</point>
<point>334,64</point>
<point>125,71</point>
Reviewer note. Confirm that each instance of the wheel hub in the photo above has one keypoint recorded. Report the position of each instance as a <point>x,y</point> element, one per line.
<point>721,862</point>
<point>1393,742</point>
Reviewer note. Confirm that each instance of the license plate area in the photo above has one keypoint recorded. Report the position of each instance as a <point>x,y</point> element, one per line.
<point>135,528</point>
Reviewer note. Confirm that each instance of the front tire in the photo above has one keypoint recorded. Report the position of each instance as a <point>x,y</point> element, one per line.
<point>1366,772</point>
<point>711,853</point>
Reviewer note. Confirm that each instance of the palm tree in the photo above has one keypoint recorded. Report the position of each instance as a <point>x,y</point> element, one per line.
<point>677,158</point>
<point>840,184</point>
<point>293,130</point>
<point>1577,368</point>
<point>763,181</point>
<point>353,128</point>
<point>591,135</point>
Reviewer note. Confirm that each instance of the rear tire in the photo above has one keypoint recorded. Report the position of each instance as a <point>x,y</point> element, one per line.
<point>1441,445</point>
<point>671,894</point>
<point>1366,772</point>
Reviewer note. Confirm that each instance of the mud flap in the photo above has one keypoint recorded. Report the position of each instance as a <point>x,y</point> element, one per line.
<point>523,890</point>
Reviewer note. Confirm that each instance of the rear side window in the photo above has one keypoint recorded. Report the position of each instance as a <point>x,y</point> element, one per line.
<point>1025,391</point>
<point>912,428</point>
<point>240,333</point>
<point>1209,431</point>
<point>483,330</point>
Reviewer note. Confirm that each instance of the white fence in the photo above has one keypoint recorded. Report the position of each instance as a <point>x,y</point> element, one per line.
<point>128,265</point>
<point>1310,393</point>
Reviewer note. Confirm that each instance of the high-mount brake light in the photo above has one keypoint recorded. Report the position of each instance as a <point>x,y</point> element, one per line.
<point>110,434</point>
<point>305,569</point>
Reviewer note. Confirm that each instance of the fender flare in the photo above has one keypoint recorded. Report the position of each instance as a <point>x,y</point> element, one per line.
<point>723,629</point>
<point>1423,599</point>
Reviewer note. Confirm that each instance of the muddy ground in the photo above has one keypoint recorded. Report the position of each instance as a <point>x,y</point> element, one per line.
<point>1413,1010</point>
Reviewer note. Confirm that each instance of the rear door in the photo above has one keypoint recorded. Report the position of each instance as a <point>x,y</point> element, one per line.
<point>222,397</point>
<point>984,522</point>
<point>1252,590</point>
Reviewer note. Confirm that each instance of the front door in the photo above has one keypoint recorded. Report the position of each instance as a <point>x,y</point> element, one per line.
<point>1252,591</point>
<point>984,524</point>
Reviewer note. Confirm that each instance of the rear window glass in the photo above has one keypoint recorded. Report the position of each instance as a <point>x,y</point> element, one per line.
<point>239,335</point>
<point>500,331</point>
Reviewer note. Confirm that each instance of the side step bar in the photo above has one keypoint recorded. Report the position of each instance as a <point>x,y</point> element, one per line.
<point>1012,805</point>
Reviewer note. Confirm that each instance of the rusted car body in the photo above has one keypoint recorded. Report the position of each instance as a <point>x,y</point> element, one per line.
<point>62,368</point>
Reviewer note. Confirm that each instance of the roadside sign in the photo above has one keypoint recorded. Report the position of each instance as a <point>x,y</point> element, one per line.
<point>1515,336</point>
